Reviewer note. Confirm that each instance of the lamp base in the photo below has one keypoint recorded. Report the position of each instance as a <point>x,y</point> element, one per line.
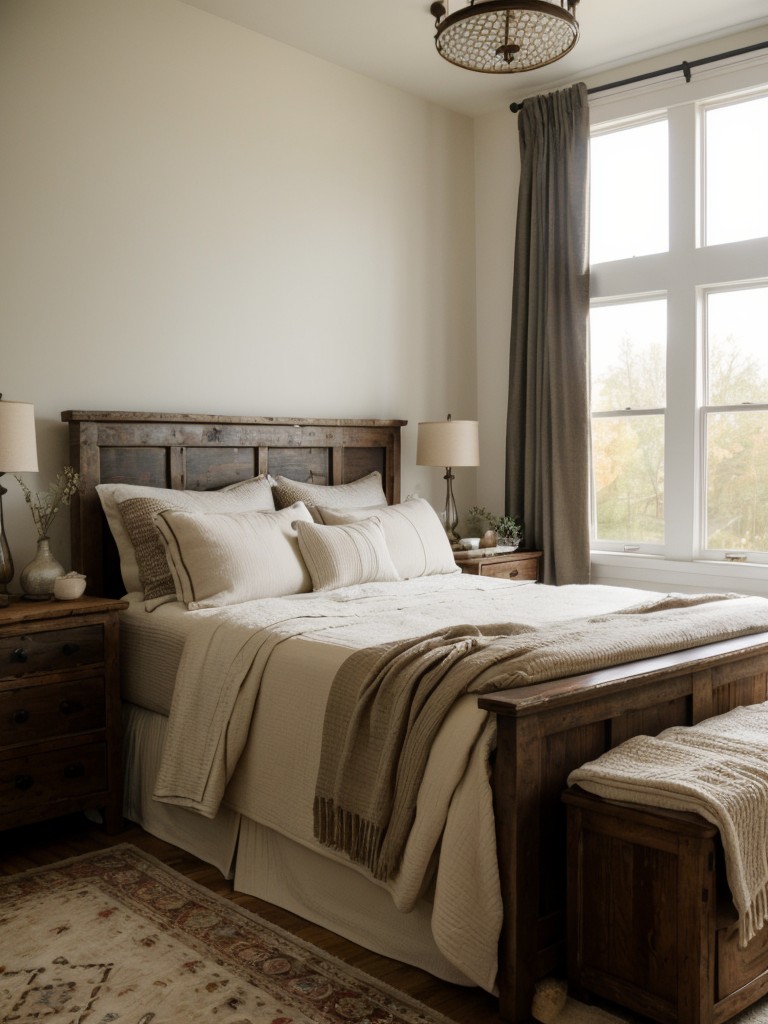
<point>450,516</point>
<point>6,562</point>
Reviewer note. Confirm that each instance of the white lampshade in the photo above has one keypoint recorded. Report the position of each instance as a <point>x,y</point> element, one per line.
<point>448,443</point>
<point>18,445</point>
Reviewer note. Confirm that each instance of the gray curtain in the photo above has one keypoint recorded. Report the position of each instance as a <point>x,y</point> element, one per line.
<point>548,427</point>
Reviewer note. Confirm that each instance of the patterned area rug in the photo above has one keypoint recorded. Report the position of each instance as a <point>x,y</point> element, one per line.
<point>118,937</point>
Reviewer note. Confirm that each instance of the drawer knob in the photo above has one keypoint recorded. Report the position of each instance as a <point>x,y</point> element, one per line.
<point>20,716</point>
<point>513,573</point>
<point>74,771</point>
<point>19,654</point>
<point>24,781</point>
<point>70,648</point>
<point>69,707</point>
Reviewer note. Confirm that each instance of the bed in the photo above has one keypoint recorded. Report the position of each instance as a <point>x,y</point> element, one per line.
<point>532,738</point>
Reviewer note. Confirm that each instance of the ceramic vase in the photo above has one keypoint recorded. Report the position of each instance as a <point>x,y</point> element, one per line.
<point>37,578</point>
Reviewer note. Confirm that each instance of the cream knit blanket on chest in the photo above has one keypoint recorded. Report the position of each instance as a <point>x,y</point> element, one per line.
<point>717,769</point>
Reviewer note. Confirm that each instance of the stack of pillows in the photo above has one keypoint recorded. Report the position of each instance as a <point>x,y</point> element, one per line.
<point>268,537</point>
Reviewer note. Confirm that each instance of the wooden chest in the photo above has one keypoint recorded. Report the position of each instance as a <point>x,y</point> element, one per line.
<point>651,925</point>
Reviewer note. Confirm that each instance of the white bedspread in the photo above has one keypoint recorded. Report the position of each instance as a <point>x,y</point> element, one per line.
<point>246,725</point>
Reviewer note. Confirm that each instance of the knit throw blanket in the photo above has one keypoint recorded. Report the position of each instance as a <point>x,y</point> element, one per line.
<point>388,702</point>
<point>717,769</point>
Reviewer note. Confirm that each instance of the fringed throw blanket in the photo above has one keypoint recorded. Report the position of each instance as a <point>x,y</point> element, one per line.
<point>388,702</point>
<point>717,769</point>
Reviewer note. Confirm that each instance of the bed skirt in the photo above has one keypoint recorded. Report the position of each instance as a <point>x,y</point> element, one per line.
<point>274,868</point>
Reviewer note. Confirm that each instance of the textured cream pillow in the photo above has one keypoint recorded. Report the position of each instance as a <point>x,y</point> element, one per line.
<point>130,510</point>
<point>365,491</point>
<point>415,537</point>
<point>342,556</point>
<point>221,558</point>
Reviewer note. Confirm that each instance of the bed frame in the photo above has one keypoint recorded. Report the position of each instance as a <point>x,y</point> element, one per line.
<point>544,731</point>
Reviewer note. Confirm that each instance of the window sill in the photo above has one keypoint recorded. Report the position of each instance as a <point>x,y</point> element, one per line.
<point>654,572</point>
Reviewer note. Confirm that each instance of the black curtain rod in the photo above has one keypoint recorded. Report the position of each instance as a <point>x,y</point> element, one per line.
<point>685,66</point>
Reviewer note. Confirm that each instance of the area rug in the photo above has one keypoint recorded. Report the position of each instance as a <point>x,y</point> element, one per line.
<point>116,936</point>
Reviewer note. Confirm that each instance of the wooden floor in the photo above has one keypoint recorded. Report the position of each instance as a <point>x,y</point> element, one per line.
<point>36,845</point>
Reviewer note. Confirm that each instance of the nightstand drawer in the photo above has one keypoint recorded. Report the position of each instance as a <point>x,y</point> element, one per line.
<point>521,569</point>
<point>58,775</point>
<point>33,713</point>
<point>50,650</point>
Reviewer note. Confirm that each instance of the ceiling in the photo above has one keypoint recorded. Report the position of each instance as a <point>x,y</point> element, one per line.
<point>393,40</point>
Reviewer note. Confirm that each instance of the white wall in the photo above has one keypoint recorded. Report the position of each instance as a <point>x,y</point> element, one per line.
<point>196,218</point>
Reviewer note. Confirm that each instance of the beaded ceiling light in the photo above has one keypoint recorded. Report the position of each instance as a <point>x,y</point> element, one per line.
<point>505,36</point>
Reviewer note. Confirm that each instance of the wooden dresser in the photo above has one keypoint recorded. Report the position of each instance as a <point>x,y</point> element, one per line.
<point>508,565</point>
<point>59,710</point>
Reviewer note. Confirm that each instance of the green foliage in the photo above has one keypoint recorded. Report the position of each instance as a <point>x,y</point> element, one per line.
<point>628,452</point>
<point>503,526</point>
<point>45,505</point>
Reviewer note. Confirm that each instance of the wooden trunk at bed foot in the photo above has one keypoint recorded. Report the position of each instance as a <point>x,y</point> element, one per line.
<point>651,925</point>
<point>548,729</point>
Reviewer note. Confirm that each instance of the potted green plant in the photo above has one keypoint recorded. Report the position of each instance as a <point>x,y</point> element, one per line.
<point>508,529</point>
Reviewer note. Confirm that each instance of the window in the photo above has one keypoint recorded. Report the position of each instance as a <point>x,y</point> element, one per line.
<point>628,192</point>
<point>628,346</point>
<point>735,159</point>
<point>736,418</point>
<point>679,330</point>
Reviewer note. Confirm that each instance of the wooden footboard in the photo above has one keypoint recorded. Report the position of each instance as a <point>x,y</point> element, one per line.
<point>547,730</point>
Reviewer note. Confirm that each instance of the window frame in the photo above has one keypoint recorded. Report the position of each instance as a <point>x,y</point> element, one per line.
<point>683,274</point>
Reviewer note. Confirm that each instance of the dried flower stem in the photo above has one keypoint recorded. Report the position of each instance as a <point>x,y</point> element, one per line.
<point>45,505</point>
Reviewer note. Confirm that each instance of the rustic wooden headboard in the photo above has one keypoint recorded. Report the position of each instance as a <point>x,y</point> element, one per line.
<point>200,452</point>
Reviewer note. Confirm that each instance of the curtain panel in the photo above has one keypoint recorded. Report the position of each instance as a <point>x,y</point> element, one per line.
<point>548,424</point>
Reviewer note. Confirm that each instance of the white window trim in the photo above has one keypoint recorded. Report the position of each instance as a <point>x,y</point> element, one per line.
<point>684,564</point>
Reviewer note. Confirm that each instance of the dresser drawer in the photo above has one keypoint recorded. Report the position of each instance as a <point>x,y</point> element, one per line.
<point>38,780</point>
<point>520,569</point>
<point>33,713</point>
<point>50,650</point>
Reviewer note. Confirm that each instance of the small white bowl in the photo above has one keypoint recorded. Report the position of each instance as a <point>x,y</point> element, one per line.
<point>67,588</point>
<point>470,543</point>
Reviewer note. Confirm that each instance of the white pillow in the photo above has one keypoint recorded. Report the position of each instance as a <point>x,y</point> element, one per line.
<point>365,491</point>
<point>222,558</point>
<point>415,537</point>
<point>142,559</point>
<point>342,556</point>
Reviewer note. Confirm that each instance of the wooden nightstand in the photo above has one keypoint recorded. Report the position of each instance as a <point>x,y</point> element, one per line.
<point>59,710</point>
<point>509,565</point>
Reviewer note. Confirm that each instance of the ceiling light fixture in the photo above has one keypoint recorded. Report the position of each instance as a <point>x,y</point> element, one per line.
<point>501,37</point>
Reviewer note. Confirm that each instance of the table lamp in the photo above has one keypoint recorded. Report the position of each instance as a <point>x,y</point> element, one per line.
<point>18,454</point>
<point>448,443</point>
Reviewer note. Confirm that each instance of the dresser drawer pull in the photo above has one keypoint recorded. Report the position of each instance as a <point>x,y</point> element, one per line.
<point>19,654</point>
<point>69,707</point>
<point>513,573</point>
<point>74,771</point>
<point>70,648</point>
<point>20,716</point>
<point>24,782</point>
